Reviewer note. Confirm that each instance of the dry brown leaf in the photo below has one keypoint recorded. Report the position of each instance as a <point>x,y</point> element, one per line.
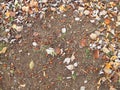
<point>96,54</point>
<point>3,50</point>
<point>83,42</point>
<point>105,57</point>
<point>57,50</point>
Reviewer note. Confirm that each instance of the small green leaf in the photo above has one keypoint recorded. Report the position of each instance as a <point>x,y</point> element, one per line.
<point>74,76</point>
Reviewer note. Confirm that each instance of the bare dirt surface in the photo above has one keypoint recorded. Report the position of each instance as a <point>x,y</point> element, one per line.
<point>18,76</point>
<point>53,52</point>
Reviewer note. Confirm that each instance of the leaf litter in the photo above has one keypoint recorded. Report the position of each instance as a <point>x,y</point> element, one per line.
<point>104,40</point>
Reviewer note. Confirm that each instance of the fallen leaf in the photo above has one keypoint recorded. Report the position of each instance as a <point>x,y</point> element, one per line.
<point>93,36</point>
<point>33,3</point>
<point>112,88</point>
<point>73,56</point>
<point>3,50</point>
<point>57,50</point>
<point>25,8</point>
<point>107,21</point>
<point>7,14</point>
<point>67,60</point>
<point>12,13</point>
<point>105,50</point>
<point>31,65</point>
<point>83,42</point>
<point>96,54</point>
<point>70,67</point>
<point>62,8</point>
<point>113,58</point>
<point>108,68</point>
<point>51,51</point>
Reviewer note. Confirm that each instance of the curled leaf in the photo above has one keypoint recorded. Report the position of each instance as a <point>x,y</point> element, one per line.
<point>3,50</point>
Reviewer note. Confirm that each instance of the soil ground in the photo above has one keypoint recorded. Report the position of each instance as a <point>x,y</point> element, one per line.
<point>50,73</point>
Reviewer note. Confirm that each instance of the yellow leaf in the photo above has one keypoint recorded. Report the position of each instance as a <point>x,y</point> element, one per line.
<point>31,65</point>
<point>14,26</point>
<point>113,58</point>
<point>7,14</point>
<point>3,50</point>
<point>62,8</point>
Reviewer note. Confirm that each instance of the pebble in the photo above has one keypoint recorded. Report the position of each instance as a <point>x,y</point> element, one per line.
<point>34,44</point>
<point>82,88</point>
<point>85,81</point>
<point>64,30</point>
<point>75,64</point>
<point>77,19</point>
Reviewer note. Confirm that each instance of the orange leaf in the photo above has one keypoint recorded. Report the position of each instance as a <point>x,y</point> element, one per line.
<point>33,3</point>
<point>107,21</point>
<point>96,54</point>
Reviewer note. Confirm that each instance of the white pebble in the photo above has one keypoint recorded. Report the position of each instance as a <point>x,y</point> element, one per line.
<point>64,30</point>
<point>34,44</point>
<point>82,88</point>
<point>77,19</point>
<point>75,64</point>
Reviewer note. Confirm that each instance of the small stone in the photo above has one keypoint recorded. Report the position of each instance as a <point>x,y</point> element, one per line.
<point>92,21</point>
<point>77,19</point>
<point>75,64</point>
<point>34,44</point>
<point>82,88</point>
<point>85,81</point>
<point>64,30</point>
<point>7,30</point>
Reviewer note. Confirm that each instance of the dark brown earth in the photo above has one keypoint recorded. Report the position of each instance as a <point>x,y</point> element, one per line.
<point>49,73</point>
